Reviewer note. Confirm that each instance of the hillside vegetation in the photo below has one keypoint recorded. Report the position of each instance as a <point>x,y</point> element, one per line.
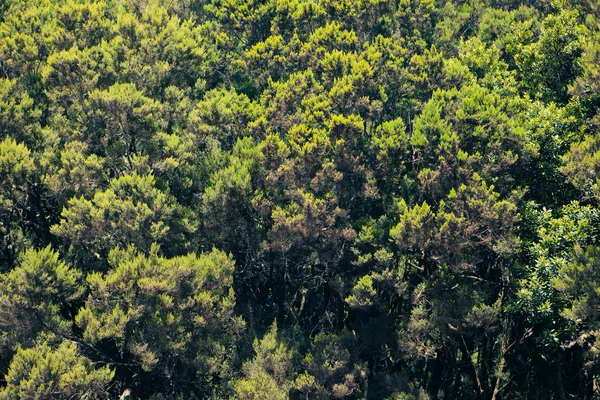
<point>304,199</point>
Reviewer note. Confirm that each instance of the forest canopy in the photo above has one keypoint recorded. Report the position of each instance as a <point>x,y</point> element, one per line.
<point>304,199</point>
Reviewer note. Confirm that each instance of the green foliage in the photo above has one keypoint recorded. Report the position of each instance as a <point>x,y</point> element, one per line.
<point>132,210</point>
<point>269,373</point>
<point>549,65</point>
<point>18,176</point>
<point>76,173</point>
<point>579,280</point>
<point>171,318</point>
<point>409,188</point>
<point>223,117</point>
<point>129,121</point>
<point>36,297</point>
<point>329,362</point>
<point>582,164</point>
<point>362,294</point>
<point>45,372</point>
<point>19,116</point>
<point>17,171</point>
